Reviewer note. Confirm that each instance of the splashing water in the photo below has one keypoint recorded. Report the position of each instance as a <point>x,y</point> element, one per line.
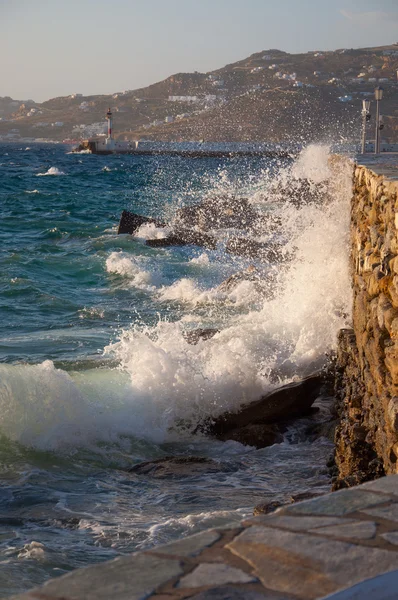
<point>96,370</point>
<point>161,379</point>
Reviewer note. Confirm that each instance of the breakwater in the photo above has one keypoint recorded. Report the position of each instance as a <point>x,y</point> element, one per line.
<point>367,383</point>
<point>106,146</point>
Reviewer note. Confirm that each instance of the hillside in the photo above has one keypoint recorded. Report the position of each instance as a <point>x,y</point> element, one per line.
<point>269,96</point>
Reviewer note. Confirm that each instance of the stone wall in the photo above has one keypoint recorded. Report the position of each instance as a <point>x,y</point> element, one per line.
<point>367,363</point>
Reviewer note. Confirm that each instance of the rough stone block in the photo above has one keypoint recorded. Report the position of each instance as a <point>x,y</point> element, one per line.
<point>391,362</point>
<point>392,412</point>
<point>394,329</point>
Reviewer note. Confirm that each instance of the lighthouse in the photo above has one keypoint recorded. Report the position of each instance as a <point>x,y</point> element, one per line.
<point>109,119</point>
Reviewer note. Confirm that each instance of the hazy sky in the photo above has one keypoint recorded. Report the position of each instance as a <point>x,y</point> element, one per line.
<point>56,47</point>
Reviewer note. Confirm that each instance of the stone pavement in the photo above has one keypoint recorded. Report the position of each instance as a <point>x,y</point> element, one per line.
<point>308,550</point>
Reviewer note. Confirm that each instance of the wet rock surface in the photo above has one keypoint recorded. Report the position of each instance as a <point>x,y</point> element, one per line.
<point>249,248</point>
<point>195,335</point>
<point>299,192</point>
<point>131,222</point>
<point>263,283</point>
<point>283,404</point>
<point>257,435</point>
<point>218,212</point>
<point>182,237</point>
<point>181,466</point>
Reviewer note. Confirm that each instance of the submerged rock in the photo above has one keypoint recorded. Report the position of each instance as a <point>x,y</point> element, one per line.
<point>283,404</point>
<point>325,429</point>
<point>300,192</point>
<point>181,466</point>
<point>184,238</point>
<point>218,212</point>
<point>268,507</point>
<point>271,251</point>
<point>130,222</point>
<point>195,335</point>
<point>263,283</point>
<point>257,435</point>
<point>265,508</point>
<point>229,284</point>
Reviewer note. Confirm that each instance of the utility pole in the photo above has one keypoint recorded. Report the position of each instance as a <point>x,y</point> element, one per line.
<point>365,119</point>
<point>109,119</point>
<point>378,97</point>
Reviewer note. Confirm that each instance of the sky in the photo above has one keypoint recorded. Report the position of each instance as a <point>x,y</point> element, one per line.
<point>53,48</point>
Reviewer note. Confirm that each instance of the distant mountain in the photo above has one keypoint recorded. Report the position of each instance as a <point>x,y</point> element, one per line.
<point>270,96</point>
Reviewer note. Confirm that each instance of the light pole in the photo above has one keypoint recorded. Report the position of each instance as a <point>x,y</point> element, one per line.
<point>378,97</point>
<point>365,119</point>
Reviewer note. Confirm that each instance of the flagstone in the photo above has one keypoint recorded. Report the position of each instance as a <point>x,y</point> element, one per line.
<point>306,565</point>
<point>214,574</point>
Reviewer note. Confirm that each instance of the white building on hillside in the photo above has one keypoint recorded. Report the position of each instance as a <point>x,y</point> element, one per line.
<point>183,98</point>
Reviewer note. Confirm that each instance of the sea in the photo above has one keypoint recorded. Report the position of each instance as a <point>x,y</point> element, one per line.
<point>96,373</point>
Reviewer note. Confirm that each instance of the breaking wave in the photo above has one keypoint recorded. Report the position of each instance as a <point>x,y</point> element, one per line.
<point>163,385</point>
<point>51,171</point>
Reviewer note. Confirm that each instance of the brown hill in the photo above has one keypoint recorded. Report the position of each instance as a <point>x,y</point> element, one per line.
<point>270,96</point>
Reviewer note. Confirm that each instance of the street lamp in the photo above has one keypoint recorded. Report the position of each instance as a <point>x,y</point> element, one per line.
<point>365,119</point>
<point>378,97</point>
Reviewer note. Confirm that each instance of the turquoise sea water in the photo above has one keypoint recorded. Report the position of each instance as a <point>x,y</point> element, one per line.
<point>95,374</point>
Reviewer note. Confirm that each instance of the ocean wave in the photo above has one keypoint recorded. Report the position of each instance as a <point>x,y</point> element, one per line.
<point>149,231</point>
<point>164,386</point>
<point>51,171</point>
<point>129,267</point>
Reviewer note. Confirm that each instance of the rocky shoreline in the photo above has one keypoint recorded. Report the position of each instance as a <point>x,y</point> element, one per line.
<point>364,415</point>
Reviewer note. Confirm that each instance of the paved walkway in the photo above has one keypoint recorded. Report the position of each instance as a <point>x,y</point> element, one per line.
<point>305,551</point>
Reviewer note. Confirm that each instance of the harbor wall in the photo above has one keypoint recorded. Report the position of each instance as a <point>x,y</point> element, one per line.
<point>367,361</point>
<point>188,148</point>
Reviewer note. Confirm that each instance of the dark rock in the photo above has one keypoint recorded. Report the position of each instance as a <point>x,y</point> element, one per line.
<point>257,435</point>
<point>300,192</point>
<point>267,223</point>
<point>269,507</point>
<point>271,252</point>
<point>325,429</point>
<point>181,466</point>
<point>263,283</point>
<point>188,216</point>
<point>305,496</point>
<point>250,274</point>
<point>130,222</point>
<point>184,238</point>
<point>265,508</point>
<point>218,212</point>
<point>11,521</point>
<point>170,240</point>
<point>195,335</point>
<point>283,404</point>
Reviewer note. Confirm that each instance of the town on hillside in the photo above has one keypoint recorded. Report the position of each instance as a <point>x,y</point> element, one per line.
<point>270,96</point>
